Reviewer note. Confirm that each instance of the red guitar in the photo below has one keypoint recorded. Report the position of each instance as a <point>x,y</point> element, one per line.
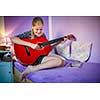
<point>27,55</point>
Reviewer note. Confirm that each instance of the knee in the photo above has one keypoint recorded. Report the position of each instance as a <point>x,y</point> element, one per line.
<point>60,62</point>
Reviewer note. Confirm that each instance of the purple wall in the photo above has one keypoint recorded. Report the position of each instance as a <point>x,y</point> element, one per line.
<point>18,24</point>
<point>86,29</point>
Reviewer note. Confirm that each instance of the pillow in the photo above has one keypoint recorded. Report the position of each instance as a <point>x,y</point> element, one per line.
<point>75,51</point>
<point>63,49</point>
<point>81,51</point>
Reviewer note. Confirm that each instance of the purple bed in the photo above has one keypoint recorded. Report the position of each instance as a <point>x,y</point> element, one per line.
<point>87,73</point>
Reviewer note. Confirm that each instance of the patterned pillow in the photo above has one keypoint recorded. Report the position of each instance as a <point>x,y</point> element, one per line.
<point>75,50</point>
<point>81,51</point>
<point>63,49</point>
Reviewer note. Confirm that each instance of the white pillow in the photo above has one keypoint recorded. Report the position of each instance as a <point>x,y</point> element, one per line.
<point>63,49</point>
<point>79,51</point>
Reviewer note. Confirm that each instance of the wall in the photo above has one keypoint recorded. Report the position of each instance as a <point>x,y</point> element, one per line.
<point>86,29</point>
<point>2,30</point>
<point>18,24</point>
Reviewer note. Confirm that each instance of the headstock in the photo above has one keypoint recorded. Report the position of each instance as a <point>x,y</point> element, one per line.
<point>71,37</point>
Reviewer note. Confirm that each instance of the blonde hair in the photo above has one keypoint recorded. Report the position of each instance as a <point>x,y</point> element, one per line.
<point>37,20</point>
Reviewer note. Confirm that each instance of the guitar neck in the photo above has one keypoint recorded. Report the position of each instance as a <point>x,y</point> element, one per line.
<point>52,41</point>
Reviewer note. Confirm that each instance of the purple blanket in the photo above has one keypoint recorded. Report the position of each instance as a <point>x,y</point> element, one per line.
<point>88,73</point>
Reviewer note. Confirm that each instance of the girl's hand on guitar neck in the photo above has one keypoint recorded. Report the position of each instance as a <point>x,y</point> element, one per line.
<point>69,37</point>
<point>65,39</point>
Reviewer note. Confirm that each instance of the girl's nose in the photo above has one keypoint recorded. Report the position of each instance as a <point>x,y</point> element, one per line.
<point>39,31</point>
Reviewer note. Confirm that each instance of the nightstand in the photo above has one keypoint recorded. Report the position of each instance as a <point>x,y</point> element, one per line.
<point>6,68</point>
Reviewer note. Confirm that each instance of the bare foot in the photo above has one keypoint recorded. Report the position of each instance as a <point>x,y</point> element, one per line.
<point>25,72</point>
<point>22,77</point>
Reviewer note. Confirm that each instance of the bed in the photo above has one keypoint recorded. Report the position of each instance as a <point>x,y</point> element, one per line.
<point>81,71</point>
<point>87,73</point>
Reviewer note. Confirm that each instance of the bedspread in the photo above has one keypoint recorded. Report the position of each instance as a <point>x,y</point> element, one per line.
<point>88,73</point>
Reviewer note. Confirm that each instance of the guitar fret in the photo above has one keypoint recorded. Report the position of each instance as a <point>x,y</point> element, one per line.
<point>52,41</point>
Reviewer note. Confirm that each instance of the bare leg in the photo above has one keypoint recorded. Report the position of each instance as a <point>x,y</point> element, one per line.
<point>47,62</point>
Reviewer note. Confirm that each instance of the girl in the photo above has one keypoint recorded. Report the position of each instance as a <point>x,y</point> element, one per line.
<point>43,61</point>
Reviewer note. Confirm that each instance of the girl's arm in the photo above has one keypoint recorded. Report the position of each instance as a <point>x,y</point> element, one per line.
<point>17,40</point>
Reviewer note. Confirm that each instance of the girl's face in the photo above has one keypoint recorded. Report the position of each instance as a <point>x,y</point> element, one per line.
<point>37,29</point>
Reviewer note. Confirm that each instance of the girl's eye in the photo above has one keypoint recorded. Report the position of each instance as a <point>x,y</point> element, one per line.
<point>36,29</point>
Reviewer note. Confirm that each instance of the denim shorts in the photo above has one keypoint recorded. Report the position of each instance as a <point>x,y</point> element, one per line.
<point>39,60</point>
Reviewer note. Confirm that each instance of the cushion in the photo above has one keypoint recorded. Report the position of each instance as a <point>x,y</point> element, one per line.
<point>75,50</point>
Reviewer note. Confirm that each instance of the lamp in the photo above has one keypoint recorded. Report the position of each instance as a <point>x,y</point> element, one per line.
<point>5,42</point>
<point>8,41</point>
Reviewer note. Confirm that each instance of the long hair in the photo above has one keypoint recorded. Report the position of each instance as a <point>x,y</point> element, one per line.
<point>37,21</point>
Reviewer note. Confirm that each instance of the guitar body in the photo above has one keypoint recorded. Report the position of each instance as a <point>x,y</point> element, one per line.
<point>22,54</point>
<point>27,55</point>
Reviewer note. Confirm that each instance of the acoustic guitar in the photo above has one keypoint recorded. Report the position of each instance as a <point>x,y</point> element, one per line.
<point>26,55</point>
